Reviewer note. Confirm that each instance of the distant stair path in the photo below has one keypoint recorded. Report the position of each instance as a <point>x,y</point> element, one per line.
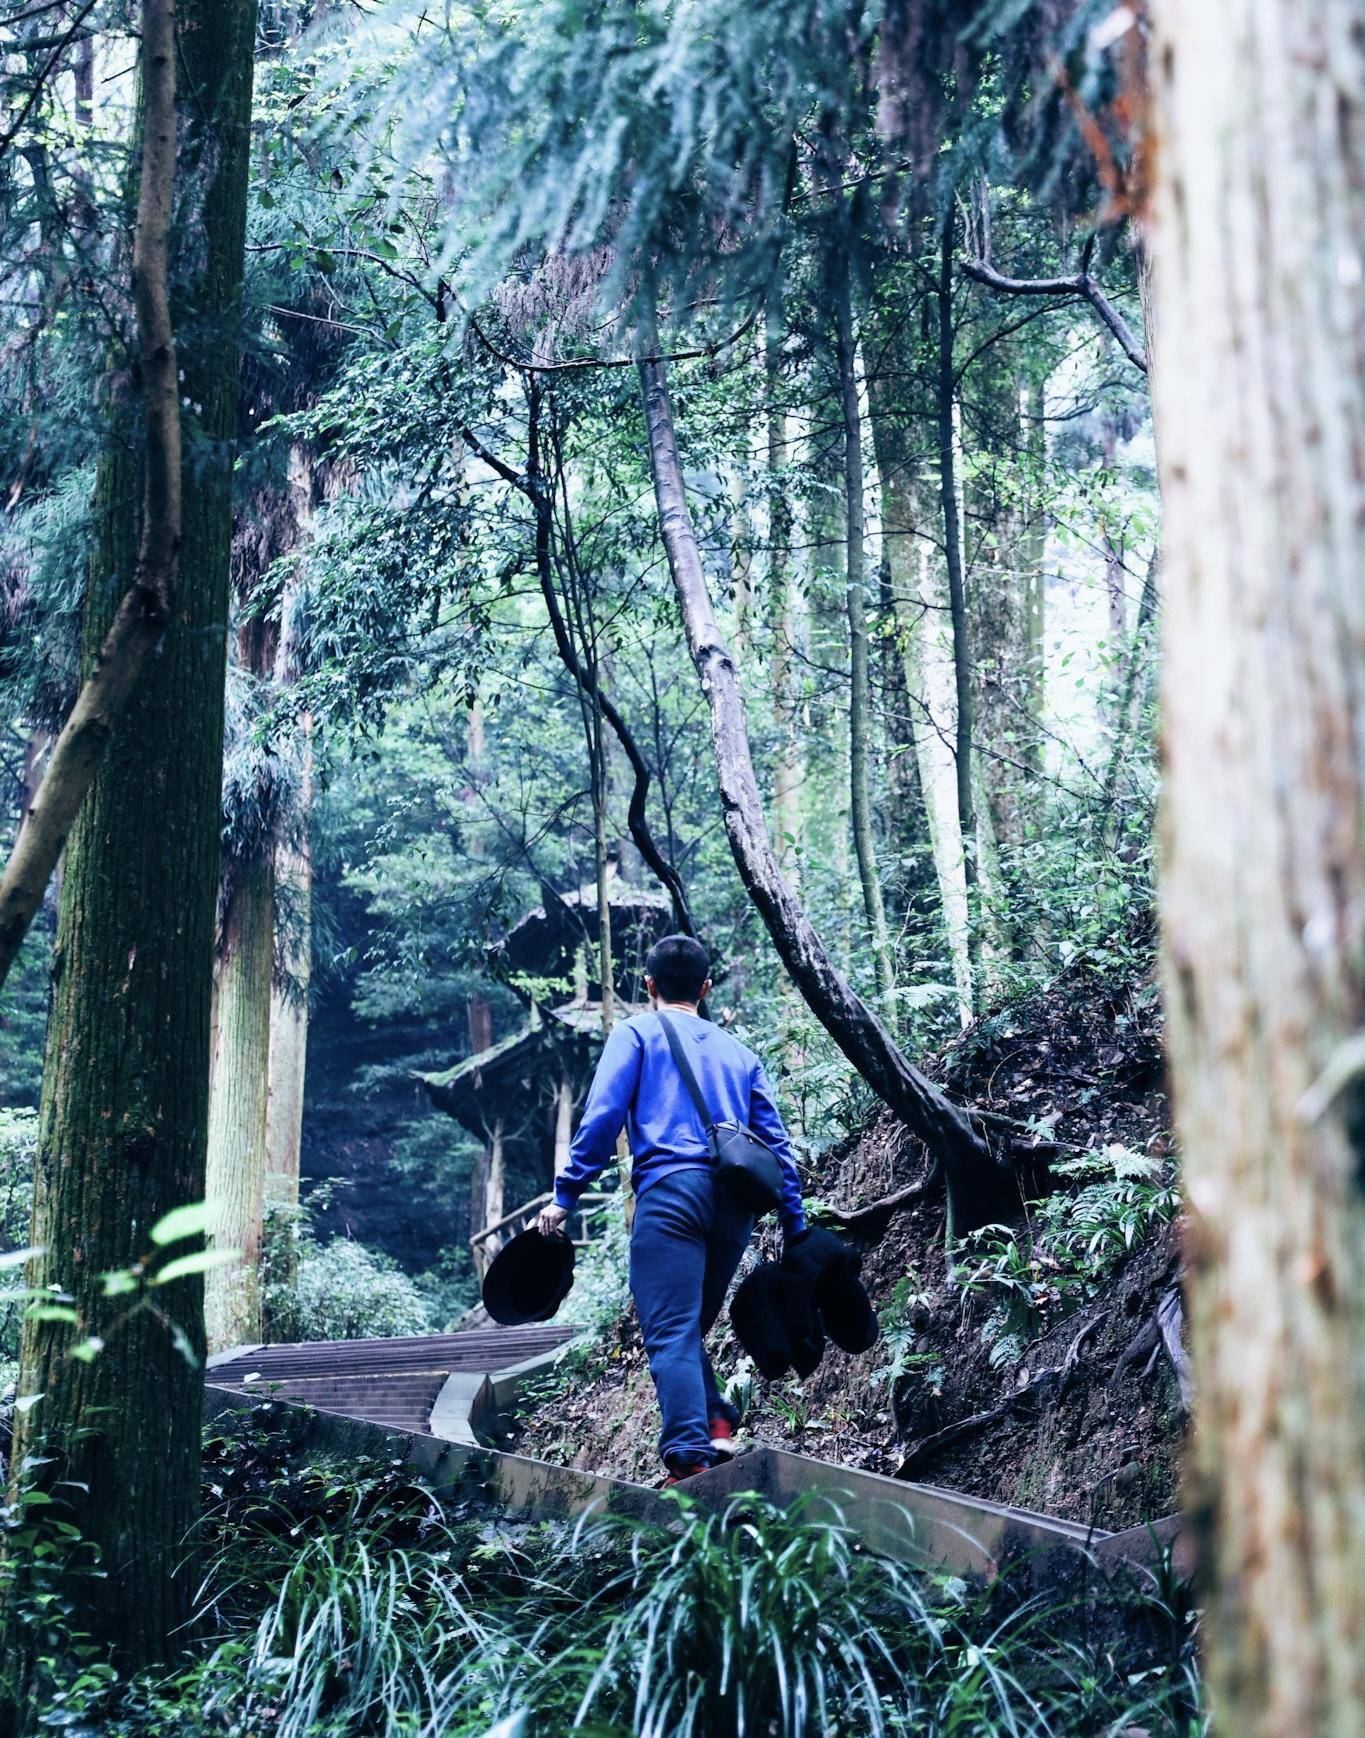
<point>394,1382</point>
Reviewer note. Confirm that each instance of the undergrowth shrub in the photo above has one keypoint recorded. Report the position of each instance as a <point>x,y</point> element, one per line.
<point>1032,1276</point>
<point>18,1144</point>
<point>344,1600</point>
<point>339,1290</point>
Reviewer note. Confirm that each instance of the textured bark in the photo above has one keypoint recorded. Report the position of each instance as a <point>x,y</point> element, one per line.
<point>238,1100</point>
<point>998,604</point>
<point>979,1188</point>
<point>918,594</point>
<point>135,628</point>
<point>293,870</point>
<point>495,1189</point>
<point>293,874</point>
<point>563,1124</point>
<point>957,593</point>
<point>125,1088</point>
<point>859,716</point>
<point>1034,555</point>
<point>786,773</point>
<point>1259,214</point>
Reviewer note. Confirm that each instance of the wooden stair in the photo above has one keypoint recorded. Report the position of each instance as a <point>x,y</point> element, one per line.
<point>394,1382</point>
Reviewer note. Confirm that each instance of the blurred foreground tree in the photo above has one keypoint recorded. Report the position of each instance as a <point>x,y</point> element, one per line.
<point>1260,388</point>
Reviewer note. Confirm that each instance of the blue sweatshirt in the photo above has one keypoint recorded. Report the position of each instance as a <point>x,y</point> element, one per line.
<point>637,1086</point>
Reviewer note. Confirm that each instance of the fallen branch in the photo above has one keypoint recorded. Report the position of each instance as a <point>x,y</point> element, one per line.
<point>930,1447</point>
<point>872,1222</point>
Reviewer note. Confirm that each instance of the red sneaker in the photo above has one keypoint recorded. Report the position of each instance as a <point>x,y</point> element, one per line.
<point>722,1438</point>
<point>683,1472</point>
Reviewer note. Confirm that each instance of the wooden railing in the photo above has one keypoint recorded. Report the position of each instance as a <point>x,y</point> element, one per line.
<point>485,1244</point>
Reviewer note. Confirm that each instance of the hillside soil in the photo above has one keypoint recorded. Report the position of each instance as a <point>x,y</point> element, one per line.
<point>1087,1423</point>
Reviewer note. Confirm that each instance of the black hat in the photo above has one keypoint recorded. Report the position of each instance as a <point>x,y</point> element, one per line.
<point>829,1269</point>
<point>528,1279</point>
<point>773,1320</point>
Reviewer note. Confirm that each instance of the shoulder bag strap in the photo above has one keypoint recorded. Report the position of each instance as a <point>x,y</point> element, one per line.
<point>680,1056</point>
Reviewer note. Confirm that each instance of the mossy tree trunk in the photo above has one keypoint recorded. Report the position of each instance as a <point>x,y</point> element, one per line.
<point>1259,381</point>
<point>963,666</point>
<point>125,1088</point>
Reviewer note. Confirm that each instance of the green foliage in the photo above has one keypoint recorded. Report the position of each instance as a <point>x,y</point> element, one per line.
<point>902,1318</point>
<point>332,1291</point>
<point>601,1285</point>
<point>342,1602</point>
<point>44,1566</point>
<point>1075,1238</point>
<point>18,1146</point>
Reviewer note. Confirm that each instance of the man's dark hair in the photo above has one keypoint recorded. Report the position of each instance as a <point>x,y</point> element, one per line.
<point>679,967</point>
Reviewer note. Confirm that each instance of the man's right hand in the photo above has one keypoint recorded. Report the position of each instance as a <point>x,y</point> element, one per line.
<point>550,1220</point>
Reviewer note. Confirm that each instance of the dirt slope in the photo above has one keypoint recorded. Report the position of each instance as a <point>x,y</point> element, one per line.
<point>1087,1423</point>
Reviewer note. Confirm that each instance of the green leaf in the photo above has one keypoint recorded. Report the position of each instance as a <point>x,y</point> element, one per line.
<point>185,1221</point>
<point>198,1263</point>
<point>16,1257</point>
<point>52,1313</point>
<point>120,1282</point>
<point>181,1341</point>
<point>89,1349</point>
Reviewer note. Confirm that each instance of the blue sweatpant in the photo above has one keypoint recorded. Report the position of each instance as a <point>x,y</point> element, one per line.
<point>686,1243</point>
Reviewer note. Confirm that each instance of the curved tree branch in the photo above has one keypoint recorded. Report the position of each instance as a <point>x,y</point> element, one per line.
<point>531,483</point>
<point>1079,283</point>
<point>636,817</point>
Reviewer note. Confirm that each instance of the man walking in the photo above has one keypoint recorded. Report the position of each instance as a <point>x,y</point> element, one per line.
<point>689,1231</point>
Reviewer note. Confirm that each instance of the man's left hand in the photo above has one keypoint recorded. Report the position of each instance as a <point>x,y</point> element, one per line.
<point>550,1220</point>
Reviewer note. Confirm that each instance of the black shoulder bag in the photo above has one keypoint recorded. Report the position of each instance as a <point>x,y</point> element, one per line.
<point>747,1165</point>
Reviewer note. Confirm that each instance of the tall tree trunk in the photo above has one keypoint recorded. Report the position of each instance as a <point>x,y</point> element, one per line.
<point>293,869</point>
<point>859,720</point>
<point>239,1073</point>
<point>125,1091</point>
<point>563,1124</point>
<point>238,1100</point>
<point>1035,570</point>
<point>130,631</point>
<point>957,592</point>
<point>786,774</point>
<point>979,1188</point>
<point>495,1192</point>
<point>998,627</point>
<point>1136,682</point>
<point>1259,211</point>
<point>741,557</point>
<point>828,825</point>
<point>909,515</point>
